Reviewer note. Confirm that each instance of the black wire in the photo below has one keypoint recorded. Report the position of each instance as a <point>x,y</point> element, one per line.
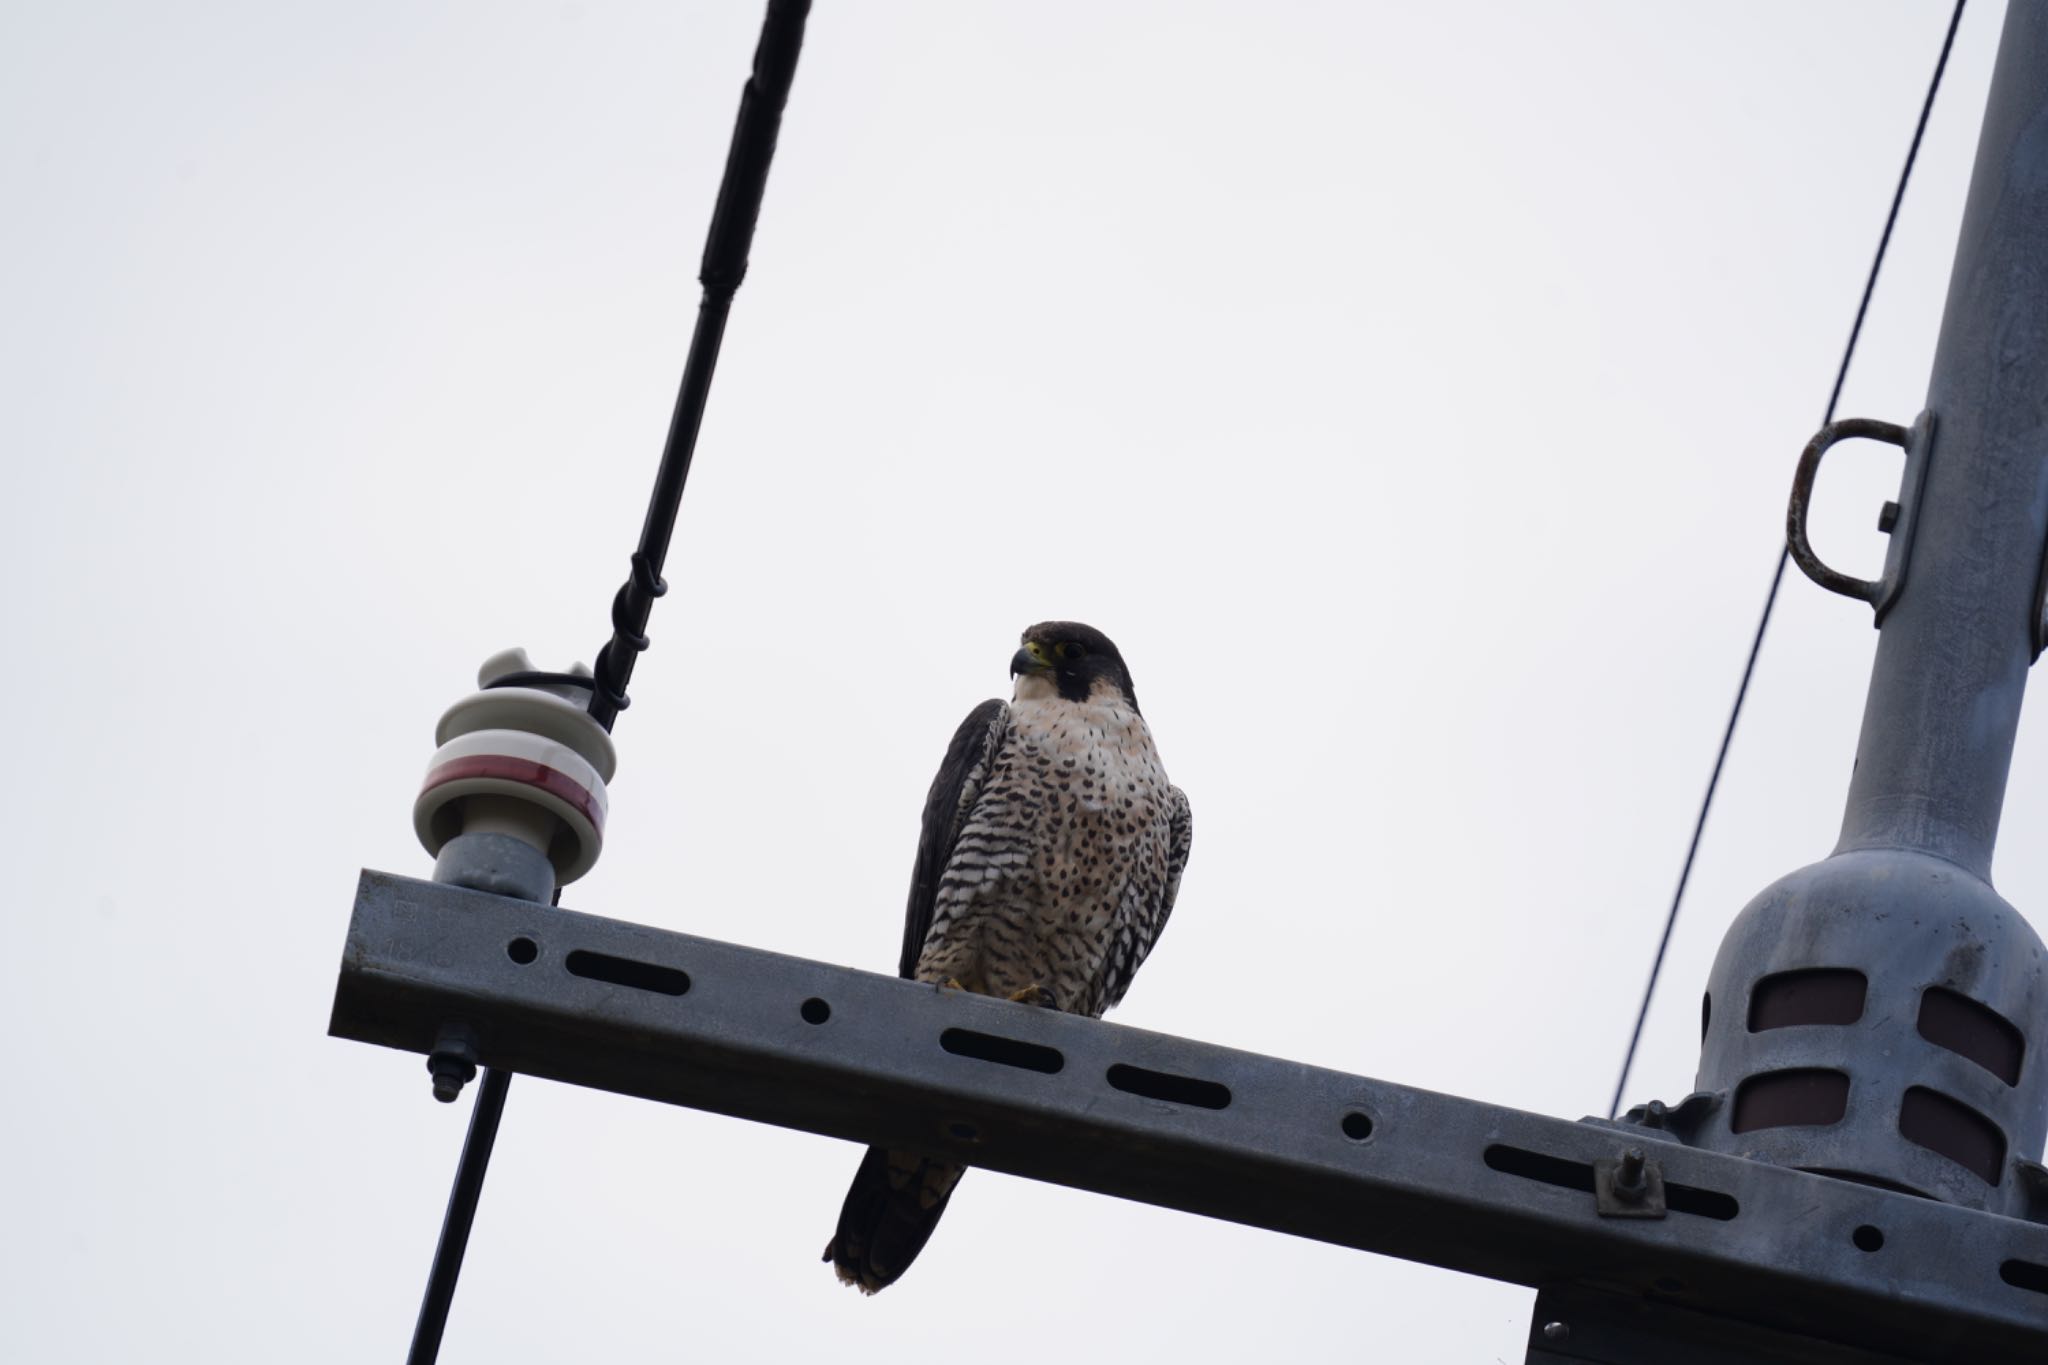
<point>724,267</point>
<point>461,1214</point>
<point>1756,644</point>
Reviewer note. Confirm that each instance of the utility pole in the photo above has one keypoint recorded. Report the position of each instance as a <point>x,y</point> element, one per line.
<point>1882,1015</point>
<point>1856,1178</point>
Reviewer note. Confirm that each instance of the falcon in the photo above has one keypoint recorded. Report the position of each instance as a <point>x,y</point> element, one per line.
<point>1051,853</point>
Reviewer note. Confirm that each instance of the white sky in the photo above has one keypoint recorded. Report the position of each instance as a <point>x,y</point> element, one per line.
<point>1412,391</point>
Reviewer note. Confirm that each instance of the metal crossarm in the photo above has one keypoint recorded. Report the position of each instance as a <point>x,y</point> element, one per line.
<point>1258,1140</point>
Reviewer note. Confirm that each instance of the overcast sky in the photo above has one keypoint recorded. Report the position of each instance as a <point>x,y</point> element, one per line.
<point>1411,391</point>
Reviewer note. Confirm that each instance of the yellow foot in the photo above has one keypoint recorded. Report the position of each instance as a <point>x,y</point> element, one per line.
<point>952,983</point>
<point>1035,995</point>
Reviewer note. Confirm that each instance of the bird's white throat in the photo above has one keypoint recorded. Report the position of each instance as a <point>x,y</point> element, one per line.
<point>1035,687</point>
<point>1041,687</point>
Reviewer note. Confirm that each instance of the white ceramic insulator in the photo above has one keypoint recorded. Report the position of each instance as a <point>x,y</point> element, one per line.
<point>519,761</point>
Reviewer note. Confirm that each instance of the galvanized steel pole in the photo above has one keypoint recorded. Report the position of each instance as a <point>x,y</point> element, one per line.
<point>1882,1016</point>
<point>1952,660</point>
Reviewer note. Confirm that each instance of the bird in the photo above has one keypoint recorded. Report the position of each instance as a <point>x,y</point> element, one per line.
<point>1049,859</point>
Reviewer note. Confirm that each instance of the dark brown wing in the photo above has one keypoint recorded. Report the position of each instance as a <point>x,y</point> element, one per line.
<point>953,794</point>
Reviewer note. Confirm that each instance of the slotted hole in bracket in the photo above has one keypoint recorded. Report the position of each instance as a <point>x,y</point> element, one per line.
<point>1550,1170</point>
<point>1700,1202</point>
<point>625,971</point>
<point>2025,1275</point>
<point>988,1047</point>
<point>1163,1085</point>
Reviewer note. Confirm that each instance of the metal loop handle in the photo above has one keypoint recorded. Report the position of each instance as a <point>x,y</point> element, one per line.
<point>1869,590</point>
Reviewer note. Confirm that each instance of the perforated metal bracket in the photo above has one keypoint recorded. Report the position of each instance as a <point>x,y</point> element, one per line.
<point>1898,519</point>
<point>1350,1160</point>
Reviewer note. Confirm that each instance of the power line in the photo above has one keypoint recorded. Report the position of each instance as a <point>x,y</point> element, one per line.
<point>1778,574</point>
<point>723,268</point>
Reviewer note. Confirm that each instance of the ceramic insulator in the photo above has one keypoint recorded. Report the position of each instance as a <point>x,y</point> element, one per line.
<point>522,761</point>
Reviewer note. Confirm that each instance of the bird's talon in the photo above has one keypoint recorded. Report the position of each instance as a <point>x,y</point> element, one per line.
<point>952,983</point>
<point>1035,995</point>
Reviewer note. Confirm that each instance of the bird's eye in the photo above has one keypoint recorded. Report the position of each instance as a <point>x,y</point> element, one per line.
<point>1070,651</point>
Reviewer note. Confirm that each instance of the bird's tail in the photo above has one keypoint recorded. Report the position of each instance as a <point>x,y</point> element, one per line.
<point>890,1210</point>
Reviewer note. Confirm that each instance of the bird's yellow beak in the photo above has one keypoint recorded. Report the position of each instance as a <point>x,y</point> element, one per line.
<point>1030,659</point>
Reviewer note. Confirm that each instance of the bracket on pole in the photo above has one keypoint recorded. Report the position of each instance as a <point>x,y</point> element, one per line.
<point>1258,1140</point>
<point>1898,519</point>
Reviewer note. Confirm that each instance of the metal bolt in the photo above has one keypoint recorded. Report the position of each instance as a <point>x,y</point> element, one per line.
<point>1556,1331</point>
<point>1888,517</point>
<point>452,1063</point>
<point>1628,1177</point>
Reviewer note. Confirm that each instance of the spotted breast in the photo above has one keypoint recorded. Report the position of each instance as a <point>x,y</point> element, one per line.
<point>1059,879</point>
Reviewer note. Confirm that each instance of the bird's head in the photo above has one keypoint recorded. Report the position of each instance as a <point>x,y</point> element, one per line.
<point>1072,661</point>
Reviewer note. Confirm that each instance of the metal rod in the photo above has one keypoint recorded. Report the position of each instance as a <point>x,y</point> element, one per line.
<point>461,1214</point>
<point>1952,661</point>
<point>724,267</point>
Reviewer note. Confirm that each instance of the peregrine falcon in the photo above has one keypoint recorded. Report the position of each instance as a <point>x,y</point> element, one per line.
<point>1051,853</point>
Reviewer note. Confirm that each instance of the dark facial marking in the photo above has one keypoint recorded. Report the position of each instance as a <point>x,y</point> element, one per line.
<point>1081,654</point>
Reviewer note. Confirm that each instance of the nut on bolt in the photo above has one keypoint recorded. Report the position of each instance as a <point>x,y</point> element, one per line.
<point>452,1063</point>
<point>1628,1186</point>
